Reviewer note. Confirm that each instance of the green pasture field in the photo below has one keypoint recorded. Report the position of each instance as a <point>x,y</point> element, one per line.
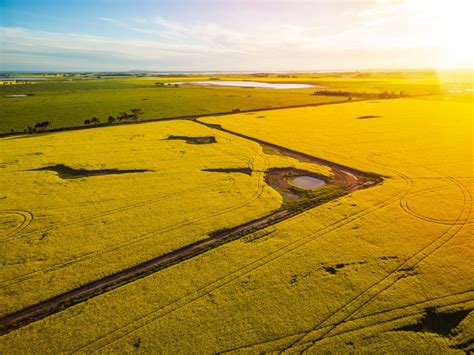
<point>70,103</point>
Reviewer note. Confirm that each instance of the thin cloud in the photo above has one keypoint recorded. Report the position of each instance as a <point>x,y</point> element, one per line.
<point>20,40</point>
<point>370,33</point>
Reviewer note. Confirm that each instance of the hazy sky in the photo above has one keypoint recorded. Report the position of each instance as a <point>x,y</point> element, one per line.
<point>234,35</point>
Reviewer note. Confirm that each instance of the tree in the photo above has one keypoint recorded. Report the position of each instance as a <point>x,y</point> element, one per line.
<point>136,112</point>
<point>122,116</point>
<point>87,121</point>
<point>43,125</point>
<point>111,119</point>
<point>95,120</point>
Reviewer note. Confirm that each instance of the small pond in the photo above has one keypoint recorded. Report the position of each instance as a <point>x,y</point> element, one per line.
<point>307,182</point>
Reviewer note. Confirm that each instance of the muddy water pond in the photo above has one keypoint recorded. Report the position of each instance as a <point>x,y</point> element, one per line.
<point>307,182</point>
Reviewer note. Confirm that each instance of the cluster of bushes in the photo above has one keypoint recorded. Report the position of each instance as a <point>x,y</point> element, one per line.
<point>93,120</point>
<point>123,116</point>
<point>363,95</point>
<point>38,127</point>
<point>168,85</point>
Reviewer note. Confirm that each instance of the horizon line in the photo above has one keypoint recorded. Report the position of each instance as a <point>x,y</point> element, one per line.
<point>145,71</point>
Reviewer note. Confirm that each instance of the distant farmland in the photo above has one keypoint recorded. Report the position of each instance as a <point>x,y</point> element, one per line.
<point>70,103</point>
<point>196,233</point>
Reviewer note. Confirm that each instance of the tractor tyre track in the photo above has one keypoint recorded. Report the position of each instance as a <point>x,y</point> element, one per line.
<point>25,316</point>
<point>26,216</point>
<point>52,268</point>
<point>460,298</point>
<point>367,296</point>
<point>247,269</point>
<point>103,214</point>
<point>405,206</point>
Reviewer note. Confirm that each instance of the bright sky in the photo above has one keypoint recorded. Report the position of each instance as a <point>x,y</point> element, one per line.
<point>235,34</point>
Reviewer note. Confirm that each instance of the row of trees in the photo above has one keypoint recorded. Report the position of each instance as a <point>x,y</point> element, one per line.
<point>133,116</point>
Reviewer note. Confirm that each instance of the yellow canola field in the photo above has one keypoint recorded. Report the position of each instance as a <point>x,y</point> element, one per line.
<point>348,274</point>
<point>415,136</point>
<point>57,234</point>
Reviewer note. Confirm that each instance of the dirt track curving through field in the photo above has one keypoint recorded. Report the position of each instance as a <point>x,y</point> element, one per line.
<point>347,179</point>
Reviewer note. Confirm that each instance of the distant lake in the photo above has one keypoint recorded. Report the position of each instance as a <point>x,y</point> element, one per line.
<point>3,78</point>
<point>252,84</point>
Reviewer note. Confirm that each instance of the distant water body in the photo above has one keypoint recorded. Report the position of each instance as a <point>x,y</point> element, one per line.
<point>252,84</point>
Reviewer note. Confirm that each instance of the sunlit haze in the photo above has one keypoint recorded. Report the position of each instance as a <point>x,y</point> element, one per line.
<point>235,35</point>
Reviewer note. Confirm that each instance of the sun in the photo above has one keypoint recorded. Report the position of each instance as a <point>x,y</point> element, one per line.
<point>451,29</point>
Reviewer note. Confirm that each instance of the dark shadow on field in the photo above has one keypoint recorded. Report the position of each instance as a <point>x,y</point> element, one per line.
<point>439,323</point>
<point>194,140</point>
<point>246,171</point>
<point>367,117</point>
<point>66,172</point>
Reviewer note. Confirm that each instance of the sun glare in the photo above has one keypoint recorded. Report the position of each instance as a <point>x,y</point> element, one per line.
<point>451,28</point>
